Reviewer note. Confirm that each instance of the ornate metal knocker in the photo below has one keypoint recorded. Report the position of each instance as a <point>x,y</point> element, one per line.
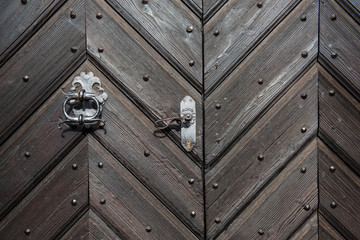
<point>86,98</point>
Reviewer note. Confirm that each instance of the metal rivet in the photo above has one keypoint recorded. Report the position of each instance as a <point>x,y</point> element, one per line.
<point>146,77</point>
<point>261,232</point>
<point>144,1</point>
<point>146,153</point>
<point>332,92</point>
<point>333,17</point>
<point>74,202</point>
<point>303,170</point>
<point>332,169</point>
<point>260,157</point>
<point>192,63</point>
<point>148,228</point>
<point>27,154</point>
<point>26,78</point>
<point>101,124</point>
<point>217,220</point>
<point>100,164</point>
<point>307,207</point>
<point>74,166</point>
<point>193,214</point>
<point>73,14</point>
<point>260,81</point>
<point>259,5</point>
<point>27,231</point>
<point>24,2</point>
<point>100,49</point>
<point>189,28</point>
<point>303,18</point>
<point>191,181</point>
<point>74,49</point>
<point>102,201</point>
<point>218,106</point>
<point>304,96</point>
<point>334,55</point>
<point>215,185</point>
<point>303,129</point>
<point>304,54</point>
<point>98,15</point>
<point>333,205</point>
<point>216,32</point>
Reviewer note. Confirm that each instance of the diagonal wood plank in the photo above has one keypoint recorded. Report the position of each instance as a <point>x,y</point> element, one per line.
<point>242,99</point>
<point>279,209</point>
<point>80,230</point>
<point>241,25</point>
<point>49,208</point>
<point>164,26</point>
<point>38,68</point>
<point>261,153</point>
<point>195,6</point>
<point>125,204</point>
<point>326,231</point>
<point>158,96</point>
<point>309,230</point>
<point>352,7</point>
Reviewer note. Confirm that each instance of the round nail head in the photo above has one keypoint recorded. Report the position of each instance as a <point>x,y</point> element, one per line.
<point>334,55</point>
<point>148,228</point>
<point>72,14</point>
<point>102,201</point>
<point>304,96</point>
<point>193,214</point>
<point>303,129</point>
<point>100,165</point>
<point>191,181</point>
<point>24,2</point>
<point>216,32</point>
<point>304,54</point>
<point>303,170</point>
<point>26,78</point>
<point>333,17</point>
<point>307,207</point>
<point>332,92</point>
<point>146,153</point>
<point>27,154</point>
<point>192,63</point>
<point>332,169</point>
<point>260,81</point>
<point>215,185</point>
<point>146,77</point>
<point>189,28</point>
<point>27,231</point>
<point>74,166</point>
<point>98,15</point>
<point>74,49</point>
<point>100,49</point>
<point>333,205</point>
<point>217,105</point>
<point>217,220</point>
<point>260,157</point>
<point>259,5</point>
<point>74,202</point>
<point>261,232</point>
<point>303,18</point>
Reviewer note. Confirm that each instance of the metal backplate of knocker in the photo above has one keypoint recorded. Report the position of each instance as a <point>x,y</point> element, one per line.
<point>188,124</point>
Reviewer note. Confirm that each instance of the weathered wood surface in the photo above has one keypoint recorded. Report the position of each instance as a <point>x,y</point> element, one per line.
<point>40,137</point>
<point>129,208</point>
<point>242,26</point>
<point>277,136</point>
<point>279,209</point>
<point>309,230</point>
<point>340,36</point>
<point>326,231</point>
<point>128,58</point>
<point>80,230</point>
<point>341,186</point>
<point>352,7</point>
<point>45,59</point>
<point>48,209</point>
<point>339,120</point>
<point>164,26</point>
<point>242,98</point>
<point>98,228</point>
<point>195,6</point>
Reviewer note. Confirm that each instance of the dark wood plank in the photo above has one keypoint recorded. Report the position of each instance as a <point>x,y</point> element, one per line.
<point>128,58</point>
<point>45,59</point>
<point>339,120</point>
<point>326,231</point>
<point>129,206</point>
<point>242,26</point>
<point>195,6</point>
<point>341,37</point>
<point>279,209</point>
<point>80,230</point>
<point>98,228</point>
<point>48,209</point>
<point>309,230</point>
<point>167,169</point>
<point>341,186</point>
<point>40,137</point>
<point>278,62</point>
<point>164,26</point>
<point>240,175</point>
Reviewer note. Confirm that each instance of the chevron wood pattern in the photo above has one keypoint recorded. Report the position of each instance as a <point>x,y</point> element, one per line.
<point>276,85</point>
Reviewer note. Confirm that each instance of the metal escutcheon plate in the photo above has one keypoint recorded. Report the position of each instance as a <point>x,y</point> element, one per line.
<point>188,126</point>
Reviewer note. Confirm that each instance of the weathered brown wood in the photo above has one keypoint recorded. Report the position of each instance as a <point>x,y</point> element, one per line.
<point>341,186</point>
<point>80,230</point>
<point>326,231</point>
<point>158,97</point>
<point>279,208</point>
<point>164,26</point>
<point>48,209</point>
<point>240,175</point>
<point>98,229</point>
<point>278,62</point>
<point>242,26</point>
<point>40,137</point>
<point>129,208</point>
<point>341,37</point>
<point>339,120</point>
<point>309,230</point>
<point>45,59</point>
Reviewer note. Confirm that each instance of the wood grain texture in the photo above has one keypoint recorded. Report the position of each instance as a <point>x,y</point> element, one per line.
<point>309,229</point>
<point>166,171</point>
<point>40,137</point>
<point>242,26</point>
<point>48,209</point>
<point>129,206</point>
<point>279,208</point>
<point>164,27</point>
<point>352,7</point>
<point>341,36</point>
<point>128,58</point>
<point>326,231</point>
<point>278,62</point>
<point>277,136</point>
<point>45,59</point>
<point>339,120</point>
<point>80,230</point>
<point>341,186</point>
<point>195,6</point>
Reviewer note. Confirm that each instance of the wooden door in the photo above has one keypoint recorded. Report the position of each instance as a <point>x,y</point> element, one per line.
<point>276,86</point>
